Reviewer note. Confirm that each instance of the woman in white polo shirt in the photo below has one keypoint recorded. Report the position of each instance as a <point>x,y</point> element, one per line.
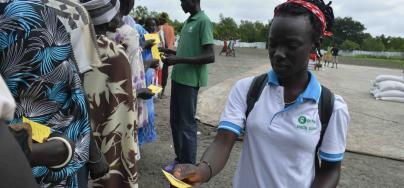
<point>277,150</point>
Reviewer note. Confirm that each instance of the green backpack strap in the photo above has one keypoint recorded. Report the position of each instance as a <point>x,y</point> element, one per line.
<point>325,109</point>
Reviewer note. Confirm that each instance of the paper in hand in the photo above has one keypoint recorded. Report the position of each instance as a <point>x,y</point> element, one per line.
<point>39,132</point>
<point>155,89</point>
<point>154,49</point>
<point>174,181</point>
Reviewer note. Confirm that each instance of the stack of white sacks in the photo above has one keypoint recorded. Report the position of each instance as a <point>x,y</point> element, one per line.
<point>388,88</point>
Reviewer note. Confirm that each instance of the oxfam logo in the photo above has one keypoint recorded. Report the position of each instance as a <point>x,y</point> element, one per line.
<point>302,120</point>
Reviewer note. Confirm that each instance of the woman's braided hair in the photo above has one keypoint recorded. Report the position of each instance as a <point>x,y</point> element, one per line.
<point>297,10</point>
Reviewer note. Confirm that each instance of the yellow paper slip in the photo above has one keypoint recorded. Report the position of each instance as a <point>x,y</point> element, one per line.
<point>39,132</point>
<point>156,37</point>
<point>174,181</point>
<point>155,89</point>
<point>154,49</point>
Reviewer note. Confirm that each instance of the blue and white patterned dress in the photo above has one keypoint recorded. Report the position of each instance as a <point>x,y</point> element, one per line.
<point>37,65</point>
<point>147,132</point>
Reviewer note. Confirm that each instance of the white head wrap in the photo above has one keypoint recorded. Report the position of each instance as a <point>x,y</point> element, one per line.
<point>101,11</point>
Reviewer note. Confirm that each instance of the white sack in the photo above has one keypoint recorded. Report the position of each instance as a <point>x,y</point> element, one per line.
<point>389,85</point>
<point>382,78</point>
<point>393,99</point>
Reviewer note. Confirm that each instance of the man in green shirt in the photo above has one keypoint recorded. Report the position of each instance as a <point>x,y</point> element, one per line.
<point>190,72</point>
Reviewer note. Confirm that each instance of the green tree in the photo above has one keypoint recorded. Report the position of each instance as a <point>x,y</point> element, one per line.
<point>140,12</point>
<point>373,44</point>
<point>262,32</point>
<point>349,45</point>
<point>384,39</point>
<point>143,12</point>
<point>253,31</point>
<point>177,26</point>
<point>327,41</point>
<point>226,29</point>
<point>395,44</point>
<point>247,31</point>
<point>348,29</point>
<point>154,14</point>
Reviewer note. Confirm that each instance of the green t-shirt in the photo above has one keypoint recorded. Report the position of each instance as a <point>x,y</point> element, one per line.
<point>196,32</point>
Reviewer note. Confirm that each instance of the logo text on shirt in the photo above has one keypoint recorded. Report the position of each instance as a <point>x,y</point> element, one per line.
<point>306,124</point>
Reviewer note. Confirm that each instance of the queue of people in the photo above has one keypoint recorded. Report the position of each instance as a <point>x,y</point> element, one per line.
<point>80,69</point>
<point>75,94</point>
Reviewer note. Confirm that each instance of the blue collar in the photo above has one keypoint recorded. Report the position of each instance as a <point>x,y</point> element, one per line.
<point>312,91</point>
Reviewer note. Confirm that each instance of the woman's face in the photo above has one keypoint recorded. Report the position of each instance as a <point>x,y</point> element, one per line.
<point>290,44</point>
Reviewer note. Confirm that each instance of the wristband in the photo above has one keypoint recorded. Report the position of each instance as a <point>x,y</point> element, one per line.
<point>69,150</point>
<point>210,169</point>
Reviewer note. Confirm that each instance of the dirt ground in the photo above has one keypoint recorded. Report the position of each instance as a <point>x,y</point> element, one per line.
<point>358,170</point>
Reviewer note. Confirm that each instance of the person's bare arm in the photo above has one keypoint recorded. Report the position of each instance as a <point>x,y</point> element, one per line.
<point>49,153</point>
<point>328,175</point>
<point>15,170</point>
<point>207,57</point>
<point>216,155</point>
<point>167,51</point>
<point>151,63</point>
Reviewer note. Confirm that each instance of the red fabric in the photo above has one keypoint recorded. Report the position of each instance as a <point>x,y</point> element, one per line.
<point>159,77</point>
<point>169,35</point>
<point>312,8</point>
<point>313,56</point>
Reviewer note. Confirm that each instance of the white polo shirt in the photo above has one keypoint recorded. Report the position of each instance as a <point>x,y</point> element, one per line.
<point>280,143</point>
<point>7,103</point>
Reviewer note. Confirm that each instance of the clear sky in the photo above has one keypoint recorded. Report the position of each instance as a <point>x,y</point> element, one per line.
<point>379,16</point>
